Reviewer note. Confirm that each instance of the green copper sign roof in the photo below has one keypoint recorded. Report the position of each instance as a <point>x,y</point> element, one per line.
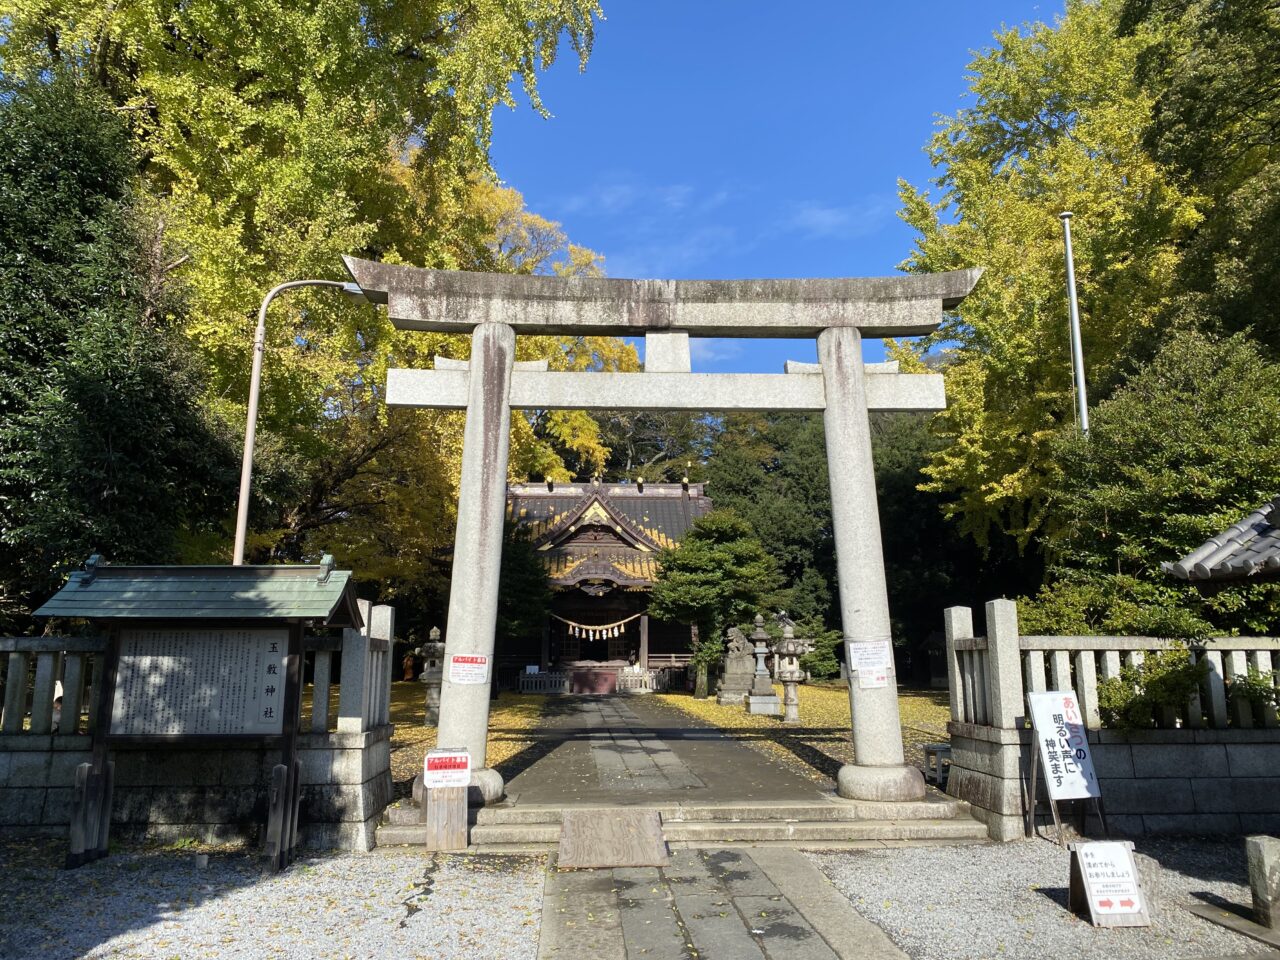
<point>295,592</point>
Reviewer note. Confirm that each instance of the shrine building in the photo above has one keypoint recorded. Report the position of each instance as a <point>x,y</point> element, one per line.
<point>599,545</point>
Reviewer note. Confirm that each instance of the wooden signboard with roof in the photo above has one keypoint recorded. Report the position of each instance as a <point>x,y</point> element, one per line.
<point>209,654</point>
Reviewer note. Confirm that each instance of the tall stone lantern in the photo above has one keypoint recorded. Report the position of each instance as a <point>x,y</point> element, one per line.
<point>789,650</point>
<point>432,653</point>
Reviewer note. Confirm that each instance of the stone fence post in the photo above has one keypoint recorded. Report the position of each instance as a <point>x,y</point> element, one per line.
<point>1004,664</point>
<point>984,675</point>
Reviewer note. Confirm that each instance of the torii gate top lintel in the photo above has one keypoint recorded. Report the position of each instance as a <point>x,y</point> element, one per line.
<point>456,300</point>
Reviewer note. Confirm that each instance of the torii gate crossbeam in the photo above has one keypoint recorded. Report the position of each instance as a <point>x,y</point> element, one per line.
<point>493,308</point>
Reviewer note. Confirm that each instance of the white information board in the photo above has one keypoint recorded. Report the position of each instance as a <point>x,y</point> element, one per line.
<point>446,767</point>
<point>872,660</point>
<point>1064,745</point>
<point>200,682</point>
<point>1104,879</point>
<point>468,668</point>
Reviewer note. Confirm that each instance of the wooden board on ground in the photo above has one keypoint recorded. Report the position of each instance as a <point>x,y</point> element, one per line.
<point>445,814</point>
<point>611,838</point>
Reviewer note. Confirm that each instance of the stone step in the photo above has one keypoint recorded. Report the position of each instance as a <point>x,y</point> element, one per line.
<point>759,830</point>
<point>843,810</point>
<point>750,831</point>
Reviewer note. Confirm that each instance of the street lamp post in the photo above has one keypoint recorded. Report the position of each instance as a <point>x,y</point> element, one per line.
<point>255,382</point>
<point>1073,309</point>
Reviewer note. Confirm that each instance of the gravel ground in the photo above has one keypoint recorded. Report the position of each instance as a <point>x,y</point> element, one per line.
<point>158,905</point>
<point>1009,900</point>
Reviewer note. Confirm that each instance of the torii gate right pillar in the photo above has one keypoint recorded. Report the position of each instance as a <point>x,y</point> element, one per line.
<point>879,770</point>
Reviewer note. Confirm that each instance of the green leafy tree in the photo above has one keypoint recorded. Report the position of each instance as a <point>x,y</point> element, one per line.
<point>1184,450</point>
<point>1056,123</point>
<point>103,446</point>
<point>1214,78</point>
<point>772,471</point>
<point>715,578</point>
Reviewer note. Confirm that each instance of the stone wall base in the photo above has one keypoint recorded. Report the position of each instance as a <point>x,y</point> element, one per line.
<point>1152,781</point>
<point>211,794</point>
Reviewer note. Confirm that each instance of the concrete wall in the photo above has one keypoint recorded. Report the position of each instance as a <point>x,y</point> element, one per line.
<point>1152,781</point>
<point>206,793</point>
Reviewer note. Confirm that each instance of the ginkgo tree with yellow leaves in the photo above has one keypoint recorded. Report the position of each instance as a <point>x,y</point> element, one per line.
<point>1056,124</point>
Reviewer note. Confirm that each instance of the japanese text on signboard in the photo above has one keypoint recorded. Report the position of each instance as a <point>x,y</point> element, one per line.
<point>1064,745</point>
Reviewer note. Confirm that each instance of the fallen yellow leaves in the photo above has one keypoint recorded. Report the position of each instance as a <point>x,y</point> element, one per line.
<point>821,743</point>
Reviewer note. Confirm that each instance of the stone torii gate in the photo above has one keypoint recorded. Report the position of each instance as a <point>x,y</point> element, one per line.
<point>493,308</point>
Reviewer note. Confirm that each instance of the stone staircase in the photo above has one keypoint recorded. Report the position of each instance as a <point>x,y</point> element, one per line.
<point>813,825</point>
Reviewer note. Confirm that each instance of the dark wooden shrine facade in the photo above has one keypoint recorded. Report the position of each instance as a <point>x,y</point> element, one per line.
<point>599,544</point>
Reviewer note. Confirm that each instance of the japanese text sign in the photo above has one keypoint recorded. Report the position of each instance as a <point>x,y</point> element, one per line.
<point>446,768</point>
<point>1064,745</point>
<point>468,668</point>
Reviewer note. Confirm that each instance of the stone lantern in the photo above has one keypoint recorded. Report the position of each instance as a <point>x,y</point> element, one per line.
<point>432,653</point>
<point>789,650</point>
<point>762,699</point>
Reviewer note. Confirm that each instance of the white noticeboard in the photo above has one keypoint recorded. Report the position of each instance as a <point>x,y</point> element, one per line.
<point>446,768</point>
<point>873,662</point>
<point>175,682</point>
<point>1104,878</point>
<point>468,668</point>
<point>1064,746</point>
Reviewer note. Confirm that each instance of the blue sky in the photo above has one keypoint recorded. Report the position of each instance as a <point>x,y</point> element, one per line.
<point>721,139</point>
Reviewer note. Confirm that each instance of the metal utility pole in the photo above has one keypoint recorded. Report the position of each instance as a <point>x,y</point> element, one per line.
<point>255,382</point>
<point>1077,349</point>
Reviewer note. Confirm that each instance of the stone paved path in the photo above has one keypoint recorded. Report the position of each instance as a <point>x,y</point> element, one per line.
<point>607,750</point>
<point>767,903</point>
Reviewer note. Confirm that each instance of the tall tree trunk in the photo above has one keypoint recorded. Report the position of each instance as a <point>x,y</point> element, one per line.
<point>700,682</point>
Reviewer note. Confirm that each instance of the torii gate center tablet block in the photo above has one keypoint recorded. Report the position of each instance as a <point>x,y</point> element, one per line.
<point>493,308</point>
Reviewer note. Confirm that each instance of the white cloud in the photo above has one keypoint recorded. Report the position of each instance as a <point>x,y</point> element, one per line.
<point>860,219</point>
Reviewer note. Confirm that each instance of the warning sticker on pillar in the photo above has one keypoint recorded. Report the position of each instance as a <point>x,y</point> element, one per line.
<point>469,668</point>
<point>872,660</point>
<point>446,767</point>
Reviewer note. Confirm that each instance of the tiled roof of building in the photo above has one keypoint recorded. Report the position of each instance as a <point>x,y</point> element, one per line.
<point>1249,550</point>
<point>605,532</point>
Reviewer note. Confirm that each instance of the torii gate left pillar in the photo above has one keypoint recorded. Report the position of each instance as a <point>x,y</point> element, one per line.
<point>495,307</point>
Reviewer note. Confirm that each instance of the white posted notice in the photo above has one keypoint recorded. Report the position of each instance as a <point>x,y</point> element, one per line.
<point>1110,877</point>
<point>180,682</point>
<point>446,767</point>
<point>1064,745</point>
<point>873,662</point>
<point>468,668</point>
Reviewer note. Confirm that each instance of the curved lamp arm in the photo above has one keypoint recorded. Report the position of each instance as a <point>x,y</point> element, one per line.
<point>255,383</point>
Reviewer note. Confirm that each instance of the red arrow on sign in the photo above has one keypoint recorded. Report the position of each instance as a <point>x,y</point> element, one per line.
<point>1126,903</point>
<point>1106,904</point>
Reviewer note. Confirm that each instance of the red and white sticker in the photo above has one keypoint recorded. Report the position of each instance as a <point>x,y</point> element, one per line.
<point>446,768</point>
<point>468,668</point>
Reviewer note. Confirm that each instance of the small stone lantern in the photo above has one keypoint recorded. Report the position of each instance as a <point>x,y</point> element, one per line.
<point>761,699</point>
<point>432,653</point>
<point>789,650</point>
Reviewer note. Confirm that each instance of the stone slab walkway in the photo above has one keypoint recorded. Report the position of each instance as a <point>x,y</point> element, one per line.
<point>728,904</point>
<point>636,751</point>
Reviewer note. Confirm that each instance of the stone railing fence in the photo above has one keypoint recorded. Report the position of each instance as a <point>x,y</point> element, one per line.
<point>1211,766</point>
<point>560,681</point>
<point>989,676</point>
<point>345,753</point>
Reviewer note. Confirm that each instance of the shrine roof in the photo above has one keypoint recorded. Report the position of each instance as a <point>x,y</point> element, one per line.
<point>1249,550</point>
<point>662,511</point>
<point>314,592</point>
<point>646,520</point>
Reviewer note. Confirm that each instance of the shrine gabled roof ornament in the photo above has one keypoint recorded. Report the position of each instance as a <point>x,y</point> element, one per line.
<point>595,510</point>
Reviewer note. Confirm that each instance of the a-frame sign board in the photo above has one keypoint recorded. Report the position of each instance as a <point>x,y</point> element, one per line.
<point>1061,749</point>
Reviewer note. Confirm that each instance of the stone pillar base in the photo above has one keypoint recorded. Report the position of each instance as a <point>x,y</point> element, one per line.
<point>486,787</point>
<point>880,783</point>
